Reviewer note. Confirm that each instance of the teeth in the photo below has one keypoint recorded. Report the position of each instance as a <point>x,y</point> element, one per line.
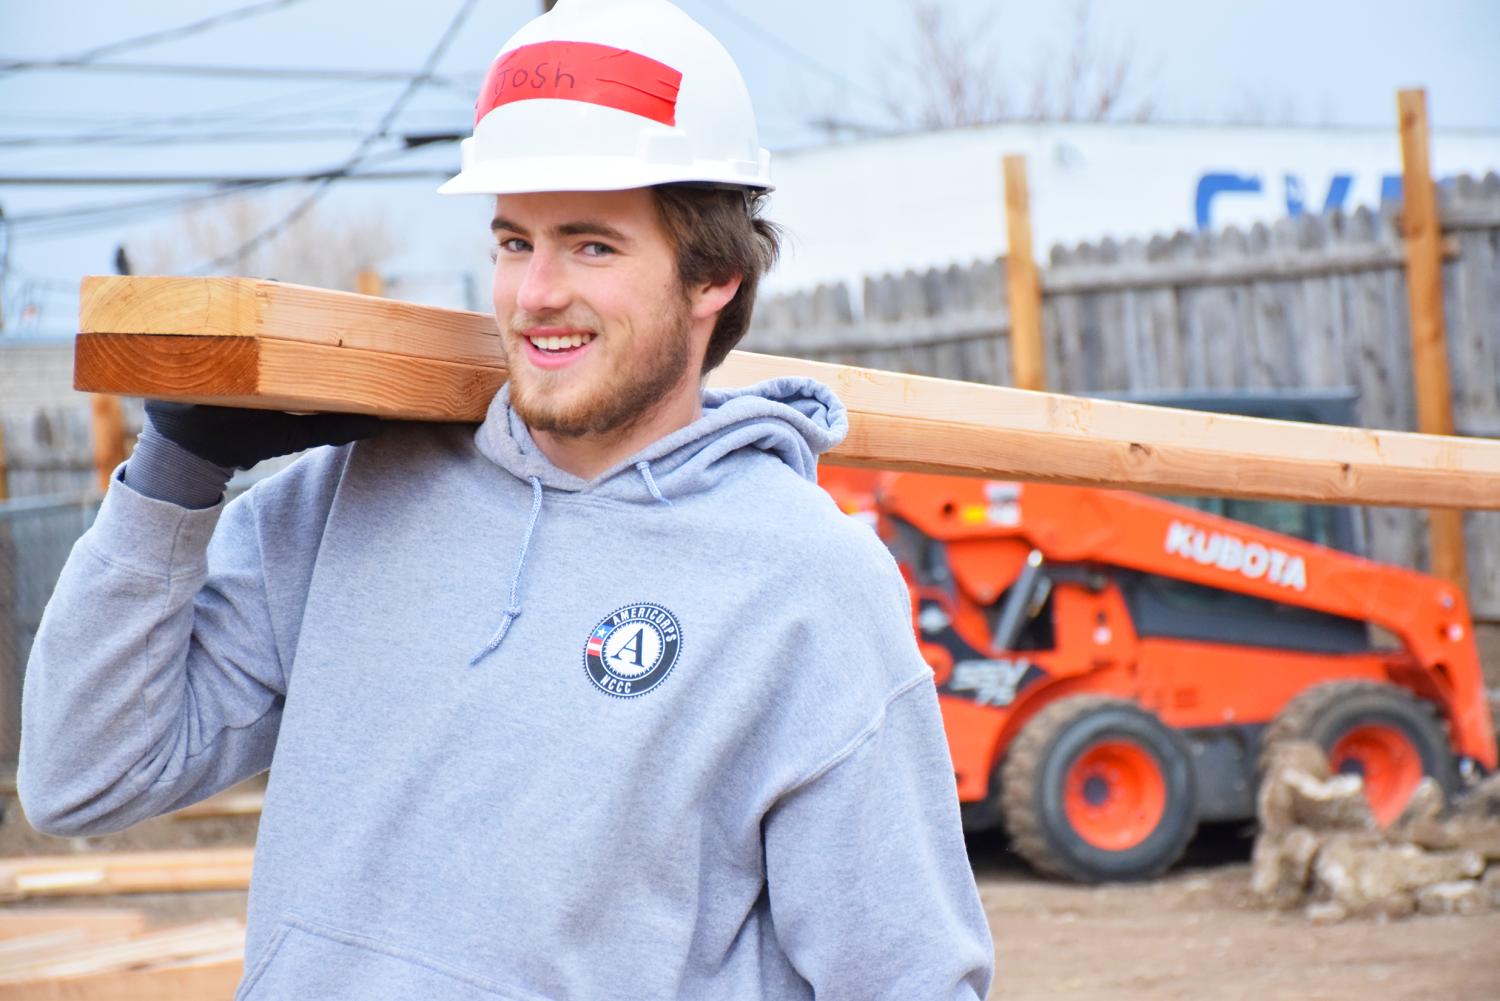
<point>561,343</point>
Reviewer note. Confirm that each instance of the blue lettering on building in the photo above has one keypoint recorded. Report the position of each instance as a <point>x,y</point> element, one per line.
<point>1216,184</point>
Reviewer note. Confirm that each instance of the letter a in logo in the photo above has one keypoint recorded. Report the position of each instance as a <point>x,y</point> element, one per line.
<point>631,648</point>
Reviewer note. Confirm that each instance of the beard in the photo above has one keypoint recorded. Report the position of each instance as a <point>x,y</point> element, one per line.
<point>645,367</point>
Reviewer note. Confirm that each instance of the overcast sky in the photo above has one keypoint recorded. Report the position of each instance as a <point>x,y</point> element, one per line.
<point>1309,63</point>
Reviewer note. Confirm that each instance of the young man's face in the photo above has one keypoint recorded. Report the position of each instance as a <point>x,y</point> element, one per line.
<point>598,331</point>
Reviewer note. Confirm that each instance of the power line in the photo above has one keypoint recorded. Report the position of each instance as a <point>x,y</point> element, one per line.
<point>341,173</point>
<point>360,152</point>
<point>774,40</point>
<point>73,219</point>
<point>256,111</point>
<point>167,34</point>
<point>233,72</point>
<point>78,213</point>
<point>180,138</point>
<point>152,38</point>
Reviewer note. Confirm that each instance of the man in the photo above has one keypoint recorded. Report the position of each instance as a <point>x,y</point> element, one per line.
<point>605,700</point>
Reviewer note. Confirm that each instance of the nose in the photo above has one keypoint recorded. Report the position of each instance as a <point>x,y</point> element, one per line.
<point>543,287</point>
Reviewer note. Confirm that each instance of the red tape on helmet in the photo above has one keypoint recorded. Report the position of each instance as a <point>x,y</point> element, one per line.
<point>582,71</point>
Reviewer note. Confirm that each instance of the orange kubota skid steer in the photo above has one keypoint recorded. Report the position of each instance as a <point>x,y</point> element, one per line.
<point>1110,666</point>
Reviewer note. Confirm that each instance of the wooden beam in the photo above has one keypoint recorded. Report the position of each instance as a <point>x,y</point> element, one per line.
<point>108,423</point>
<point>126,872</point>
<point>91,923</point>
<point>1024,285</point>
<point>1429,344</point>
<point>212,978</point>
<point>279,354</point>
<point>243,803</point>
<point>200,960</point>
<point>162,945</point>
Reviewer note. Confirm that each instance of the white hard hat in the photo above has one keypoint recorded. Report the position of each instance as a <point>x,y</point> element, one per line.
<point>602,95</point>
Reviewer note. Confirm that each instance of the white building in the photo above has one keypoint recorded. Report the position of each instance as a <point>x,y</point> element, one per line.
<point>934,198</point>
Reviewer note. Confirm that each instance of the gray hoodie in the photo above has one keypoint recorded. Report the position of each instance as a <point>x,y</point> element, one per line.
<point>662,734</point>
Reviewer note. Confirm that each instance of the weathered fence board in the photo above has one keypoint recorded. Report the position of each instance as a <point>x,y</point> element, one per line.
<point>1313,302</point>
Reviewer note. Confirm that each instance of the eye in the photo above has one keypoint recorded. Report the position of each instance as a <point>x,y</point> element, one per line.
<point>513,245</point>
<point>597,249</point>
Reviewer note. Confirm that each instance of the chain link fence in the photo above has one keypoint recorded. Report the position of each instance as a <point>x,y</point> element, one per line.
<point>36,535</point>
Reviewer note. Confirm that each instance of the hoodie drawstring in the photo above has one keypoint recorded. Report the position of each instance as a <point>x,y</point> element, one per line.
<point>514,608</point>
<point>645,470</point>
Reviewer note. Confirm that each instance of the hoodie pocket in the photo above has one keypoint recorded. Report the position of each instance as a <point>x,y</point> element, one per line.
<point>305,960</point>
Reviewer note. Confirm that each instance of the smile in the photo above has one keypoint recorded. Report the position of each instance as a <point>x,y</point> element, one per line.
<point>563,342</point>
<point>557,347</point>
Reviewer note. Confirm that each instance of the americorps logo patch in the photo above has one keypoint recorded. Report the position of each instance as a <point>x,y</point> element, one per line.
<point>632,650</point>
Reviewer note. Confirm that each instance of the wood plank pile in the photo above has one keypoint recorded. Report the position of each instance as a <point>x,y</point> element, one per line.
<point>101,873</point>
<point>82,951</point>
<point>94,955</point>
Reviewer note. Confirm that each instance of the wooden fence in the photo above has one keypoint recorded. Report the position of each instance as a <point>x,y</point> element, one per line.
<point>1312,302</point>
<point>1315,302</point>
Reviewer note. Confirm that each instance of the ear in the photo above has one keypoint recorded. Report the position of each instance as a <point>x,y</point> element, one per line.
<point>708,300</point>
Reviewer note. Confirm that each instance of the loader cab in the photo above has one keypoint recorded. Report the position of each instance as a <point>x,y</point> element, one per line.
<point>1164,607</point>
<point>1326,524</point>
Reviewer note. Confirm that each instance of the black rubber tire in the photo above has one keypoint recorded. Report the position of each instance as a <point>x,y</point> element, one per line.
<point>1032,788</point>
<point>1326,712</point>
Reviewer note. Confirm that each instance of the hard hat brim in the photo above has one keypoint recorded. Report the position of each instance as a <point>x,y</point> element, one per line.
<point>609,173</point>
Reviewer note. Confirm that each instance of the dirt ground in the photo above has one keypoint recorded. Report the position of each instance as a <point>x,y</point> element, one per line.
<point>1194,936</point>
<point>1198,935</point>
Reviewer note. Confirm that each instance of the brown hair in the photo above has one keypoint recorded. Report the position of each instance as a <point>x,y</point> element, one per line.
<point>718,234</point>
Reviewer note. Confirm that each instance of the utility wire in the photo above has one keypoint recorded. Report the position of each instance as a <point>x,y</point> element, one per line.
<point>223,186</point>
<point>73,219</point>
<point>360,152</point>
<point>345,172</point>
<point>81,213</point>
<point>180,138</point>
<point>253,112</point>
<point>152,38</point>
<point>235,72</point>
<point>753,27</point>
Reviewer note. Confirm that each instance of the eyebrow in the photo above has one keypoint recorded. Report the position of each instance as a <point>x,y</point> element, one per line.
<point>581,227</point>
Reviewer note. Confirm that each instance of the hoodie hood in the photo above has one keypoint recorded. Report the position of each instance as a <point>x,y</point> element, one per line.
<point>791,418</point>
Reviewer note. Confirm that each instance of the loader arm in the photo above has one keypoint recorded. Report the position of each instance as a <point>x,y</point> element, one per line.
<point>1075,525</point>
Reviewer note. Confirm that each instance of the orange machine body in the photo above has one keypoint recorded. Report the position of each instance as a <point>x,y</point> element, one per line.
<point>964,543</point>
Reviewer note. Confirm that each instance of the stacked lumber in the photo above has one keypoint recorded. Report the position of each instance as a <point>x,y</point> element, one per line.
<point>233,803</point>
<point>243,342</point>
<point>126,872</point>
<point>78,955</point>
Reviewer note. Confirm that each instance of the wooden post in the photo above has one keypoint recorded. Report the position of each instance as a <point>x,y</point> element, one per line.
<point>369,282</point>
<point>1429,345</point>
<point>1027,361</point>
<point>4,469</point>
<point>109,437</point>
